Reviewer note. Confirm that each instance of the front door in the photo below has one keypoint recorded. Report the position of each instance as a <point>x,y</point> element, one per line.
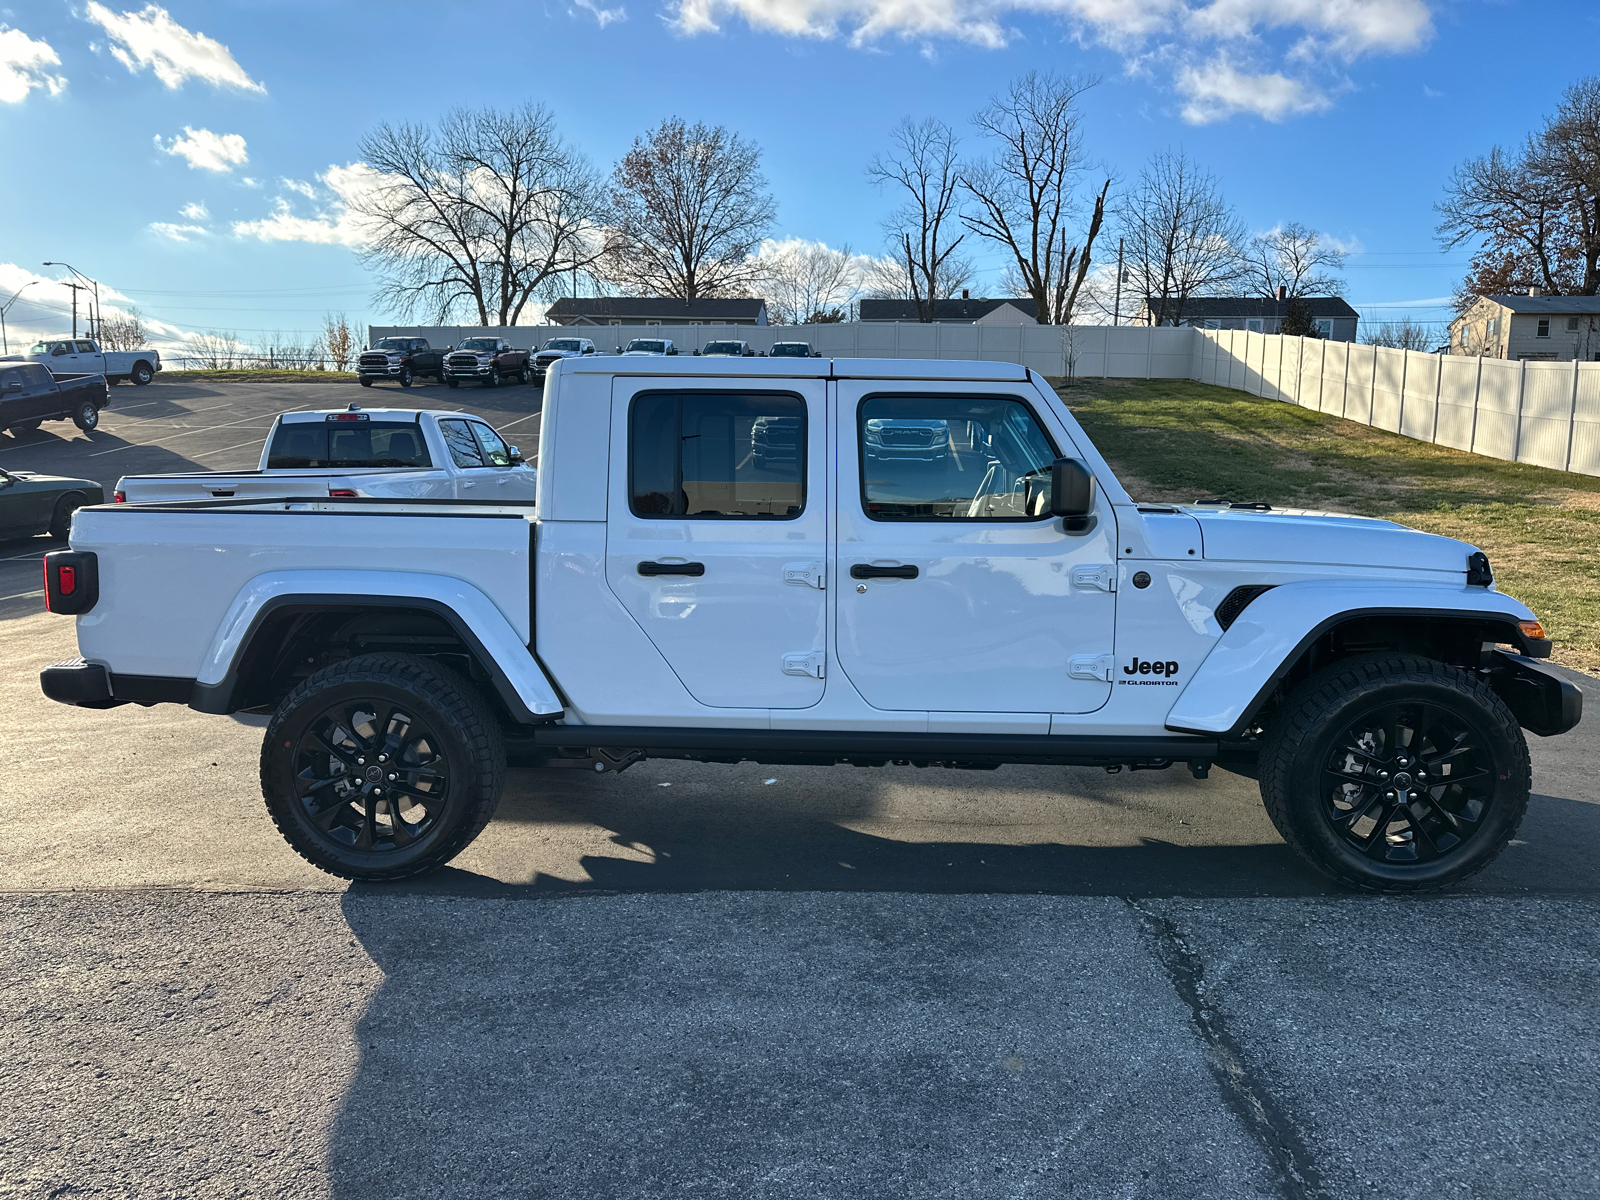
<point>958,592</point>
<point>716,534</point>
<point>502,481</point>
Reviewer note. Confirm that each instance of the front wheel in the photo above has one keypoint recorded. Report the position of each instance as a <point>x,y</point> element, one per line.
<point>405,376</point>
<point>1395,774</point>
<point>61,518</point>
<point>86,416</point>
<point>524,376</point>
<point>382,766</point>
<point>492,379</point>
<point>450,381</point>
<point>366,383</point>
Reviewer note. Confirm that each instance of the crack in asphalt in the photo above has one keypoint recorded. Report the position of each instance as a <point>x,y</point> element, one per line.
<point>1243,1090</point>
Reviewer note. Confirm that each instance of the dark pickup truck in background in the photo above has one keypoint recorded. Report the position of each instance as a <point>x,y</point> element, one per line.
<point>401,359</point>
<point>488,360</point>
<point>30,394</point>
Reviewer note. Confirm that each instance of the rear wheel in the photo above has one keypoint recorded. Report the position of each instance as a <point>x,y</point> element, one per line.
<point>61,518</point>
<point>141,374</point>
<point>86,416</point>
<point>382,766</point>
<point>524,376</point>
<point>1395,774</point>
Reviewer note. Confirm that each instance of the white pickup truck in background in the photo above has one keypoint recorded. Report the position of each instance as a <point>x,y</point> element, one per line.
<point>380,452</point>
<point>83,356</point>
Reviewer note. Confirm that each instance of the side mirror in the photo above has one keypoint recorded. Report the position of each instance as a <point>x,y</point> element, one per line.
<point>672,349</point>
<point>516,456</point>
<point>588,349</point>
<point>696,351</point>
<point>1071,492</point>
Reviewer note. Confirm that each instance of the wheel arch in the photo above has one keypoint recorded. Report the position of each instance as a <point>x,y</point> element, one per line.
<point>1286,634</point>
<point>273,627</point>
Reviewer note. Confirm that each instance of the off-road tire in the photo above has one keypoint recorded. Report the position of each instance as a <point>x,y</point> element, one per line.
<point>445,704</point>
<point>61,518</point>
<point>1317,719</point>
<point>86,416</point>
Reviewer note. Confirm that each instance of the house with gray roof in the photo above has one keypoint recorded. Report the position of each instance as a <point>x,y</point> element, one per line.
<point>1330,315</point>
<point>1535,327</point>
<point>1006,310</point>
<point>657,310</point>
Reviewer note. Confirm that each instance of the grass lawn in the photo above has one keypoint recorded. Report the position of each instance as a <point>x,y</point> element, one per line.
<point>257,376</point>
<point>1172,439</point>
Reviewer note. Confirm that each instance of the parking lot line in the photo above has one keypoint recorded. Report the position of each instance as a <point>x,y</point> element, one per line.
<point>23,595</point>
<point>520,420</point>
<point>171,437</point>
<point>28,554</point>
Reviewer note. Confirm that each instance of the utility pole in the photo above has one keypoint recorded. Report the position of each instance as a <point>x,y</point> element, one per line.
<point>76,288</point>
<point>5,308</point>
<point>94,316</point>
<point>1116,317</point>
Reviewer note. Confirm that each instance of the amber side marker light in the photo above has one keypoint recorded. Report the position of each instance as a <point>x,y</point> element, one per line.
<point>1533,629</point>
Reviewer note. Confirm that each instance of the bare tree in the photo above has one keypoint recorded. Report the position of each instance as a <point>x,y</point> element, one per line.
<point>339,339</point>
<point>691,206</point>
<point>804,279</point>
<point>122,331</point>
<point>1180,236</point>
<point>477,214</point>
<point>1404,334</point>
<point>924,170</point>
<point>1295,258</point>
<point>1025,196</point>
<point>212,351</point>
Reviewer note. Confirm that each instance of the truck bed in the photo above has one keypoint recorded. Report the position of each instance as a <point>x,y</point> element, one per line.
<point>264,485</point>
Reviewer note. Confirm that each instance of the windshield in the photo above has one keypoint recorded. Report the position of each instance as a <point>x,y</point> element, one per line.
<point>40,348</point>
<point>305,444</point>
<point>791,350</point>
<point>477,344</point>
<point>648,346</point>
<point>723,348</point>
<point>562,344</point>
<point>392,344</point>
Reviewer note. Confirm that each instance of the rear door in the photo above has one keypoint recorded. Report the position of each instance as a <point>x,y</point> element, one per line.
<point>958,591</point>
<point>716,552</point>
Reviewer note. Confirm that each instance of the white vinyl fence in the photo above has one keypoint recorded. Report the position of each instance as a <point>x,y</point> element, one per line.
<point>1534,412</point>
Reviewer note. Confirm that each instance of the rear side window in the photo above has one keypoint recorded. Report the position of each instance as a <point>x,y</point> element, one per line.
<point>953,458</point>
<point>463,446</point>
<point>85,347</point>
<point>301,445</point>
<point>717,456</point>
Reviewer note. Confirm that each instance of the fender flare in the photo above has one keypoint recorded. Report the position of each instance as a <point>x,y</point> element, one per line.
<point>518,678</point>
<point>1269,636</point>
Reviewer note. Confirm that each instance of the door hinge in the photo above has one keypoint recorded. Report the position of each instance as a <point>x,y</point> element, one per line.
<point>806,574</point>
<point>806,664</point>
<point>1090,666</point>
<point>1102,576</point>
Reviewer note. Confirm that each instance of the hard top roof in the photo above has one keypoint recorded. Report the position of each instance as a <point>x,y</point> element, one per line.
<point>852,368</point>
<point>377,414</point>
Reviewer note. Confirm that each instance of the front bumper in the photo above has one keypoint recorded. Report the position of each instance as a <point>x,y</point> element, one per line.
<point>1544,702</point>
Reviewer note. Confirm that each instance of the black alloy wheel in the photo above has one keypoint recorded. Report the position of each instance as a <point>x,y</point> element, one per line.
<point>1395,773</point>
<point>86,416</point>
<point>142,374</point>
<point>61,518</point>
<point>405,375</point>
<point>382,766</point>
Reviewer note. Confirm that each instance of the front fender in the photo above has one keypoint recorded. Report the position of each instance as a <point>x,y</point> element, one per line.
<point>1267,639</point>
<point>518,678</point>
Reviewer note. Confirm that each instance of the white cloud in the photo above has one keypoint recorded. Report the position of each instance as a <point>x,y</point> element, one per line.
<point>1226,56</point>
<point>308,190</point>
<point>44,310</point>
<point>206,150</point>
<point>602,16</point>
<point>22,66</point>
<point>151,38</point>
<point>1216,91</point>
<point>195,211</point>
<point>335,224</point>
<point>176,233</point>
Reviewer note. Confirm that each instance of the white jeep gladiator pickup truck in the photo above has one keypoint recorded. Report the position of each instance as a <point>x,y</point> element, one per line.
<point>673,595</point>
<point>350,452</point>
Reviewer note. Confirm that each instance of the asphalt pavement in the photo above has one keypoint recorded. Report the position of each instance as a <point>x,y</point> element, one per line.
<point>699,980</point>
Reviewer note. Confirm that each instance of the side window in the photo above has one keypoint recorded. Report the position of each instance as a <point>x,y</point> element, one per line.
<point>60,348</point>
<point>717,455</point>
<point>85,347</point>
<point>953,458</point>
<point>37,375</point>
<point>494,450</point>
<point>463,446</point>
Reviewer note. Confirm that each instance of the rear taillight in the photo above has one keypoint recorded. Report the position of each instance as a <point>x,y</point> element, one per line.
<point>119,497</point>
<point>71,581</point>
<point>342,493</point>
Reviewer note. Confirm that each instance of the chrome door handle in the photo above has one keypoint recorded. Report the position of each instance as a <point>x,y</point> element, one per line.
<point>868,571</point>
<point>661,568</point>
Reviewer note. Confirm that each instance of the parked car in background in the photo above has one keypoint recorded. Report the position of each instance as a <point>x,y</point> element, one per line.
<point>30,394</point>
<point>487,360</point>
<point>728,350</point>
<point>401,359</point>
<point>83,356</point>
<point>792,350</point>
<point>396,453</point>
<point>31,504</point>
<point>656,346</point>
<point>555,350</point>
<point>774,440</point>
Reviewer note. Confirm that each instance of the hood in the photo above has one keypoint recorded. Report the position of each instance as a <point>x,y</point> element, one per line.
<point>1290,535</point>
<point>40,477</point>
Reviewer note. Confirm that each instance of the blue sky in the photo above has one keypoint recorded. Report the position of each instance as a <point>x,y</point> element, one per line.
<point>190,157</point>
